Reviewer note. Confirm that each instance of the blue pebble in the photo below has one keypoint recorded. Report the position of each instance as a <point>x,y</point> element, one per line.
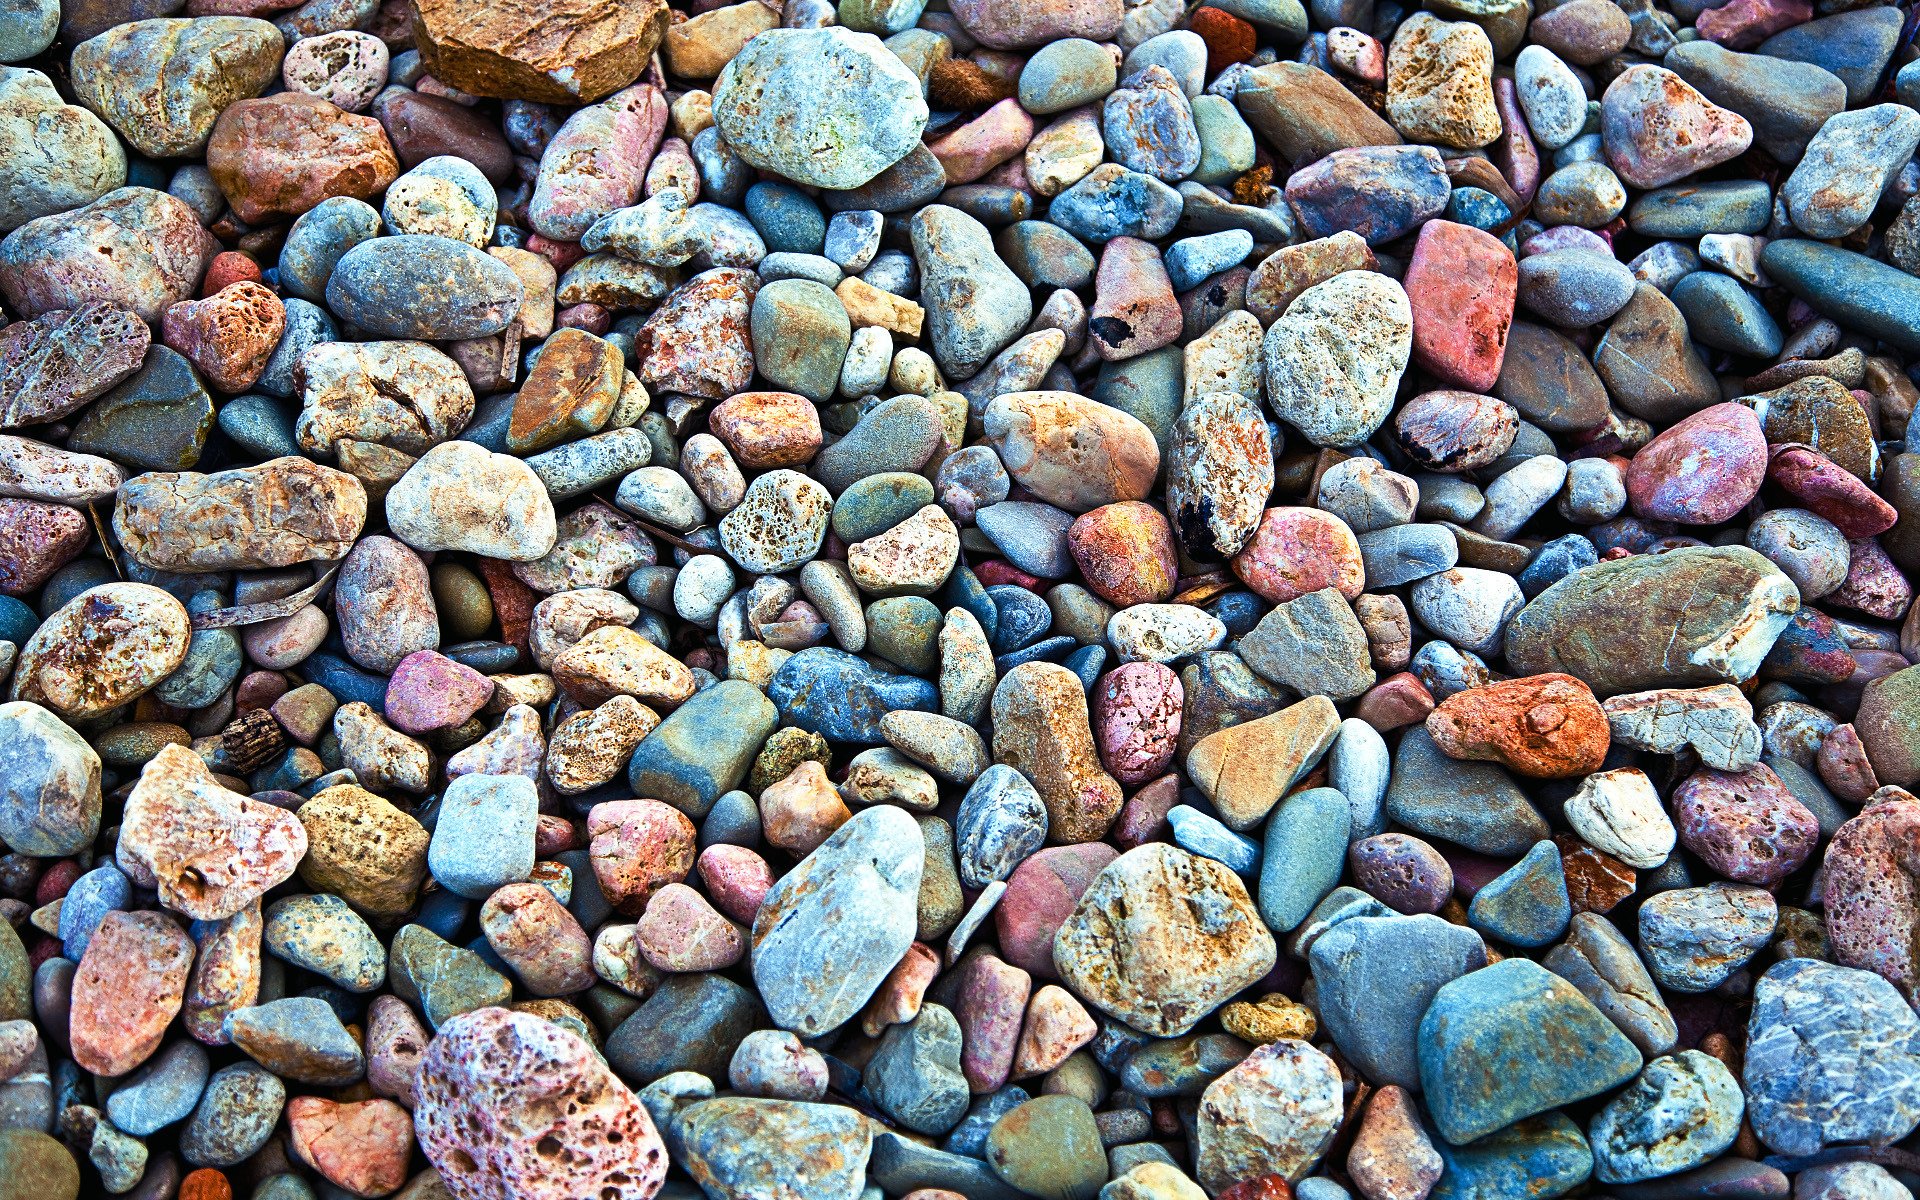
<point>963,589</point>
<point>347,682</point>
<point>1045,650</point>
<point>1306,849</point>
<point>1535,1159</point>
<point>92,896</point>
<point>786,218</point>
<point>1089,663</point>
<point>1024,617</point>
<point>840,697</point>
<point>1201,834</point>
<point>18,620</point>
<point>1555,561</point>
<point>1525,905</point>
<point>1192,261</point>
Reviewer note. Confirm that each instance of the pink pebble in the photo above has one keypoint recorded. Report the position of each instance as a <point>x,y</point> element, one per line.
<point>737,878</point>
<point>430,691</point>
<point>1136,718</point>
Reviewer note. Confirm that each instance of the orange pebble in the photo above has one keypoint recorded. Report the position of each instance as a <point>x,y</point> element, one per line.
<point>1229,39</point>
<point>206,1184</point>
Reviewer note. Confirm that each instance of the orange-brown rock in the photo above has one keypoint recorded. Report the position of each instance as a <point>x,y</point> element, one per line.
<point>1596,882</point>
<point>280,156</point>
<point>768,429</point>
<point>568,394</point>
<point>553,51</point>
<point>1544,726</point>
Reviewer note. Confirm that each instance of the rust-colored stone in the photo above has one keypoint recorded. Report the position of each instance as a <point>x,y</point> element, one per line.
<point>552,51</point>
<point>1596,882</point>
<point>1543,726</point>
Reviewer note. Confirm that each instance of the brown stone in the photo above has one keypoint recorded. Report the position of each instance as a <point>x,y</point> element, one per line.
<point>1041,729</point>
<point>364,850</point>
<point>281,513</point>
<point>569,393</point>
<point>282,155</point>
<point>1596,882</point>
<point>1543,726</point>
<point>422,127</point>
<point>552,51</point>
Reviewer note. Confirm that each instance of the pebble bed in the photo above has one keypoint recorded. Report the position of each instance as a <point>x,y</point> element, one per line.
<point>959,600</point>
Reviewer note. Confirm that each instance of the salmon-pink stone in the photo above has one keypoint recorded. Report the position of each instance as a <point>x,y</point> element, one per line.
<point>510,1106</point>
<point>430,691</point>
<point>1295,551</point>
<point>129,985</point>
<point>737,878</point>
<point>680,931</point>
<point>360,1148</point>
<point>1461,284</point>
<point>992,999</point>
<point>638,846</point>
<point>1701,471</point>
<point>1136,718</point>
<point>1872,901</point>
<point>1040,896</point>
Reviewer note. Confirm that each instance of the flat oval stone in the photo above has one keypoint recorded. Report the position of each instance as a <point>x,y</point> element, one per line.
<point>423,286</point>
<point>831,929</point>
<point>101,649</point>
<point>1660,640</point>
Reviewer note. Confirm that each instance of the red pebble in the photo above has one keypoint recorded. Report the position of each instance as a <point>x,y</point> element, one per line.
<point>995,572</point>
<point>1830,490</point>
<point>54,884</point>
<point>228,267</point>
<point>561,254</point>
<point>1461,283</point>
<point>1229,39</point>
<point>591,317</point>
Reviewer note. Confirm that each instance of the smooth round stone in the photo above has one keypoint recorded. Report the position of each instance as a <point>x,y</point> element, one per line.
<point>800,336</point>
<point>26,28</point>
<point>319,239</point>
<point>1786,100</point>
<point>1587,194</point>
<point>1048,1147</point>
<point>1808,548</point>
<point>1574,288</point>
<point>878,503</point>
<point>320,933</point>
<point>442,197</point>
<point>789,89</point>
<point>1403,872</point>
<point>1551,96</point>
<point>1703,470</point>
<point>425,287</point>
<point>1723,314</point>
<point>1658,129</point>
<point>1856,1084</point>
